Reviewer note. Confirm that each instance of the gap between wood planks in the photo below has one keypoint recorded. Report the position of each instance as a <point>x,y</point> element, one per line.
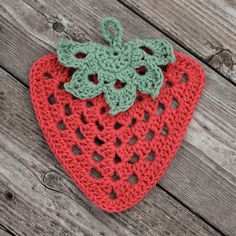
<point>178,42</point>
<point>191,210</point>
<point>6,230</point>
<point>164,190</point>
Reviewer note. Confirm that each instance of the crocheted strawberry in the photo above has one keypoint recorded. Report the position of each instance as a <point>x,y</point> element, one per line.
<point>115,159</point>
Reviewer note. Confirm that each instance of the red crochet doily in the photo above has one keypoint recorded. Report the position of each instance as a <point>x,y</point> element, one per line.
<point>115,160</point>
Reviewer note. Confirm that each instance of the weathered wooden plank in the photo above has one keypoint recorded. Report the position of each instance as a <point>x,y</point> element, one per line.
<point>38,198</point>
<point>205,28</point>
<point>209,147</point>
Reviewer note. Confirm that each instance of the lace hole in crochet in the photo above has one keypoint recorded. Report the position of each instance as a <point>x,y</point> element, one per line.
<point>93,78</point>
<point>150,135</point>
<point>174,103</point>
<point>119,84</point>
<point>103,110</point>
<point>89,104</point>
<point>133,179</point>
<point>117,159</point>
<point>151,156</point>
<point>52,99</point>
<point>147,50</point>
<point>61,85</point>
<point>79,134</point>
<point>160,108</point>
<point>138,99</point>
<point>184,78</point>
<point>80,55</point>
<point>76,150</point>
<point>168,84</point>
<point>98,141</point>
<point>83,119</point>
<point>115,177</point>
<point>164,131</point>
<point>134,159</point>
<point>142,70</point>
<point>95,174</point>
<point>67,110</point>
<point>164,68</point>
<point>97,157</point>
<point>61,125</point>
<point>132,123</point>
<point>47,75</point>
<point>71,72</point>
<point>112,195</point>
<point>146,116</point>
<point>133,140</point>
<point>99,126</point>
<point>117,142</point>
<point>117,125</point>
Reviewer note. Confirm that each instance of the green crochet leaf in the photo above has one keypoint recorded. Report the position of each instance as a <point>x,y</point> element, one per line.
<point>118,70</point>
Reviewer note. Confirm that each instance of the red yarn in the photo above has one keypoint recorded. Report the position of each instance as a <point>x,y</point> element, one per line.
<point>115,160</point>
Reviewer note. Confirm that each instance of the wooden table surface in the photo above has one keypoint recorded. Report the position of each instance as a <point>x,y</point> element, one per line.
<point>197,195</point>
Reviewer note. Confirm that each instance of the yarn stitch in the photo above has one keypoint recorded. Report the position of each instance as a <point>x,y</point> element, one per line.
<point>115,160</point>
<point>117,71</point>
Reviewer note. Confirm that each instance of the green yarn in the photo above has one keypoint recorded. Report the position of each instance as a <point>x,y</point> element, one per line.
<point>115,67</point>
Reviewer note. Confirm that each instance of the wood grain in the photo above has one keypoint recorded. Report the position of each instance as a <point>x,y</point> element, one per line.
<point>38,198</point>
<point>205,28</point>
<point>203,175</point>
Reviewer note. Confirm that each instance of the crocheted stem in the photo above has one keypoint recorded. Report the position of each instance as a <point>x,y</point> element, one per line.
<point>115,39</point>
<point>136,65</point>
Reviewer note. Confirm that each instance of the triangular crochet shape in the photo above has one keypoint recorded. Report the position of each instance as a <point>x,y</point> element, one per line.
<point>115,160</point>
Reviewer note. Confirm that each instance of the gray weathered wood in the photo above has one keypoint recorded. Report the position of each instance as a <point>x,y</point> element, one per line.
<point>46,202</point>
<point>208,152</point>
<point>205,28</point>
